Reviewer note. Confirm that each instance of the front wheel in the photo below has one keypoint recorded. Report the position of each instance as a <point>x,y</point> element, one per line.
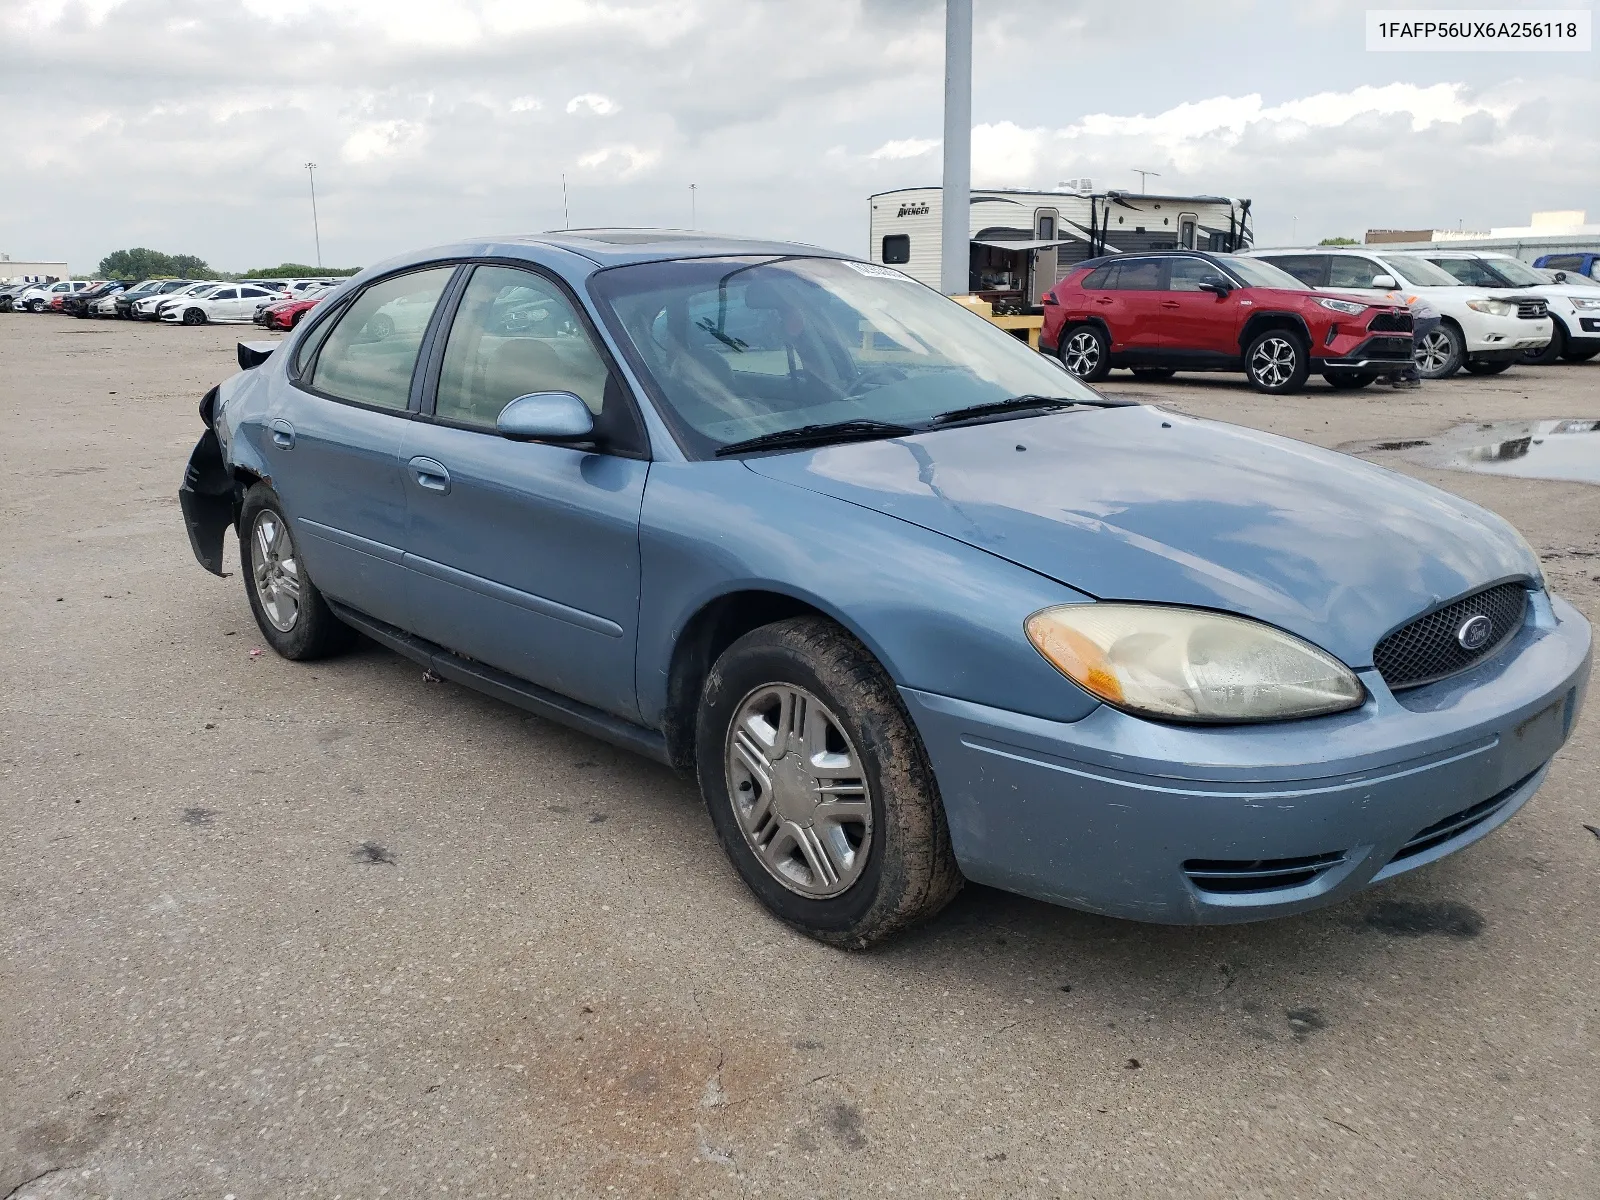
<point>1440,352</point>
<point>1085,352</point>
<point>1348,381</point>
<point>194,316</point>
<point>293,616</point>
<point>1552,350</point>
<point>1486,368</point>
<point>1277,362</point>
<point>1579,355</point>
<point>818,786</point>
<point>36,306</point>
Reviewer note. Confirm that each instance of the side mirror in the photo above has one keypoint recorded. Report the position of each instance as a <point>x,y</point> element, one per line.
<point>1561,276</point>
<point>546,417</point>
<point>1216,284</point>
<point>1385,281</point>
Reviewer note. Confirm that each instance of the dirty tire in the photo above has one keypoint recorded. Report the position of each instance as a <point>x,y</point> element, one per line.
<point>316,632</point>
<point>1552,350</point>
<point>910,871</point>
<point>1579,355</point>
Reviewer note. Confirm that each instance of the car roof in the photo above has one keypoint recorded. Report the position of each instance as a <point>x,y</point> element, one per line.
<point>1203,255</point>
<point>614,247</point>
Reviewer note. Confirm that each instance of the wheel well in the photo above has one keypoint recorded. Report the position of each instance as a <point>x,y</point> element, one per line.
<point>1261,322</point>
<point>705,636</point>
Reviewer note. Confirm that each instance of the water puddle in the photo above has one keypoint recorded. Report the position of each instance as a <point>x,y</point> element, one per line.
<point>1566,448</point>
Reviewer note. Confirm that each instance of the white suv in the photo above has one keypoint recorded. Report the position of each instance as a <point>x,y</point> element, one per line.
<point>37,299</point>
<point>1478,330</point>
<point>1574,308</point>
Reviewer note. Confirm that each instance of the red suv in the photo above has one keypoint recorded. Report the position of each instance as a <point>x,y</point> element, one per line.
<point>1182,310</point>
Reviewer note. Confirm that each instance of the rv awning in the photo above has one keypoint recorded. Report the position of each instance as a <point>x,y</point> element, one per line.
<point>1022,245</point>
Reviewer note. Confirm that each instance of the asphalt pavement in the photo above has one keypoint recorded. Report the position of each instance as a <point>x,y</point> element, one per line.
<point>338,931</point>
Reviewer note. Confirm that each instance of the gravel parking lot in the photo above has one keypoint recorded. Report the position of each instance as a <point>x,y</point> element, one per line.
<point>337,931</point>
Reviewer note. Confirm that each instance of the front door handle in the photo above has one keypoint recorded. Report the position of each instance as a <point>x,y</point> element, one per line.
<point>431,475</point>
<point>1170,304</point>
<point>282,434</point>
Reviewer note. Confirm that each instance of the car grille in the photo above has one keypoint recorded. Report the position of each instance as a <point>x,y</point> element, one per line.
<point>1426,649</point>
<point>1458,823</point>
<point>1391,322</point>
<point>1530,308</point>
<point>1231,876</point>
<point>1388,347</point>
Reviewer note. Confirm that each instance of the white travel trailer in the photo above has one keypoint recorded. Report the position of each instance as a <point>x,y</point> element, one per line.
<point>1023,243</point>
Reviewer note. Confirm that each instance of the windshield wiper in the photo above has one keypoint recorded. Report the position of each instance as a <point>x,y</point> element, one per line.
<point>817,435</point>
<point>1026,403</point>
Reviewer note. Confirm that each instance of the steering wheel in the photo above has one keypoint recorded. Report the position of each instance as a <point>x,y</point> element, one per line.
<point>873,375</point>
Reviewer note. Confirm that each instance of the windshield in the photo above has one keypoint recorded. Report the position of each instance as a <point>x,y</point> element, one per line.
<point>1256,273</point>
<point>735,348</point>
<point>1515,272</point>
<point>1418,272</point>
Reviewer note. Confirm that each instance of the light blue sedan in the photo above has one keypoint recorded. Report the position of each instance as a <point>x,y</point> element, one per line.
<point>911,603</point>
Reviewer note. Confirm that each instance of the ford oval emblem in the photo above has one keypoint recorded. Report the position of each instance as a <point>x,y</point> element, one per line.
<point>1474,632</point>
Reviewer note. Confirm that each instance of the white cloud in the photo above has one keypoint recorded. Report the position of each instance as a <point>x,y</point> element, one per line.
<point>620,161</point>
<point>601,106</point>
<point>906,148</point>
<point>525,104</point>
<point>383,139</point>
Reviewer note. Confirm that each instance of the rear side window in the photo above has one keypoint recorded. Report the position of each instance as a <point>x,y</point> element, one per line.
<point>1563,262</point>
<point>1099,278</point>
<point>370,352</point>
<point>1307,268</point>
<point>897,248</point>
<point>1142,275</point>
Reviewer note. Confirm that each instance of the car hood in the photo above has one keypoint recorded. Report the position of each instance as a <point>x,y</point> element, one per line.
<point>1140,504</point>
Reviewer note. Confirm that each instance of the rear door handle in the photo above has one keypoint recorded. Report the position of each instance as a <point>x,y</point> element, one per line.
<point>1104,300</point>
<point>431,475</point>
<point>282,434</point>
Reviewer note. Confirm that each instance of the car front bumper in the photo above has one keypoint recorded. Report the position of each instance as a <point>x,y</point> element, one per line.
<point>1204,825</point>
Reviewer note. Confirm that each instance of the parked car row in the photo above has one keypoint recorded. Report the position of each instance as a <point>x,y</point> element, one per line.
<point>175,301</point>
<point>1351,314</point>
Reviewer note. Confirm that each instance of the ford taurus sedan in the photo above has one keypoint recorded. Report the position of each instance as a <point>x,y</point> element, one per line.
<point>910,602</point>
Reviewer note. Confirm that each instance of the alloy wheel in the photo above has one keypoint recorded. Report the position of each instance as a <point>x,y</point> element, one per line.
<point>276,570</point>
<point>1082,353</point>
<point>799,790</point>
<point>1434,351</point>
<point>1273,363</point>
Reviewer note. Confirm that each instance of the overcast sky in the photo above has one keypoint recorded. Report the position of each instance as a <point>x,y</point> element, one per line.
<point>184,125</point>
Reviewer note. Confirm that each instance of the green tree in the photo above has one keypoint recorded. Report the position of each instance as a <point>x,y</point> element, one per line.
<point>298,271</point>
<point>1338,241</point>
<point>144,263</point>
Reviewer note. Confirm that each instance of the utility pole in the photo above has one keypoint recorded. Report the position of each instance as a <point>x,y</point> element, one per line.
<point>566,216</point>
<point>1141,175</point>
<point>316,230</point>
<point>692,224</point>
<point>956,231</point>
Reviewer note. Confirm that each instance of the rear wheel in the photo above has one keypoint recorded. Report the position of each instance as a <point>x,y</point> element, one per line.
<point>1153,374</point>
<point>1085,352</point>
<point>1440,352</point>
<point>293,616</point>
<point>818,786</point>
<point>1348,381</point>
<point>1486,368</point>
<point>1277,362</point>
<point>1544,355</point>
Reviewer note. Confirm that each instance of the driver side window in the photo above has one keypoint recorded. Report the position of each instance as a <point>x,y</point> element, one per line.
<point>515,333</point>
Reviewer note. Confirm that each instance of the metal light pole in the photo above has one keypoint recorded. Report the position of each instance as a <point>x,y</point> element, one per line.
<point>1141,175</point>
<point>956,231</point>
<point>692,224</point>
<point>566,216</point>
<point>316,229</point>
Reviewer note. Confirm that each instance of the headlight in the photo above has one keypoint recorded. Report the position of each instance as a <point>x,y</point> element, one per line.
<point>1349,307</point>
<point>1495,308</point>
<point>1191,665</point>
<point>1586,304</point>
